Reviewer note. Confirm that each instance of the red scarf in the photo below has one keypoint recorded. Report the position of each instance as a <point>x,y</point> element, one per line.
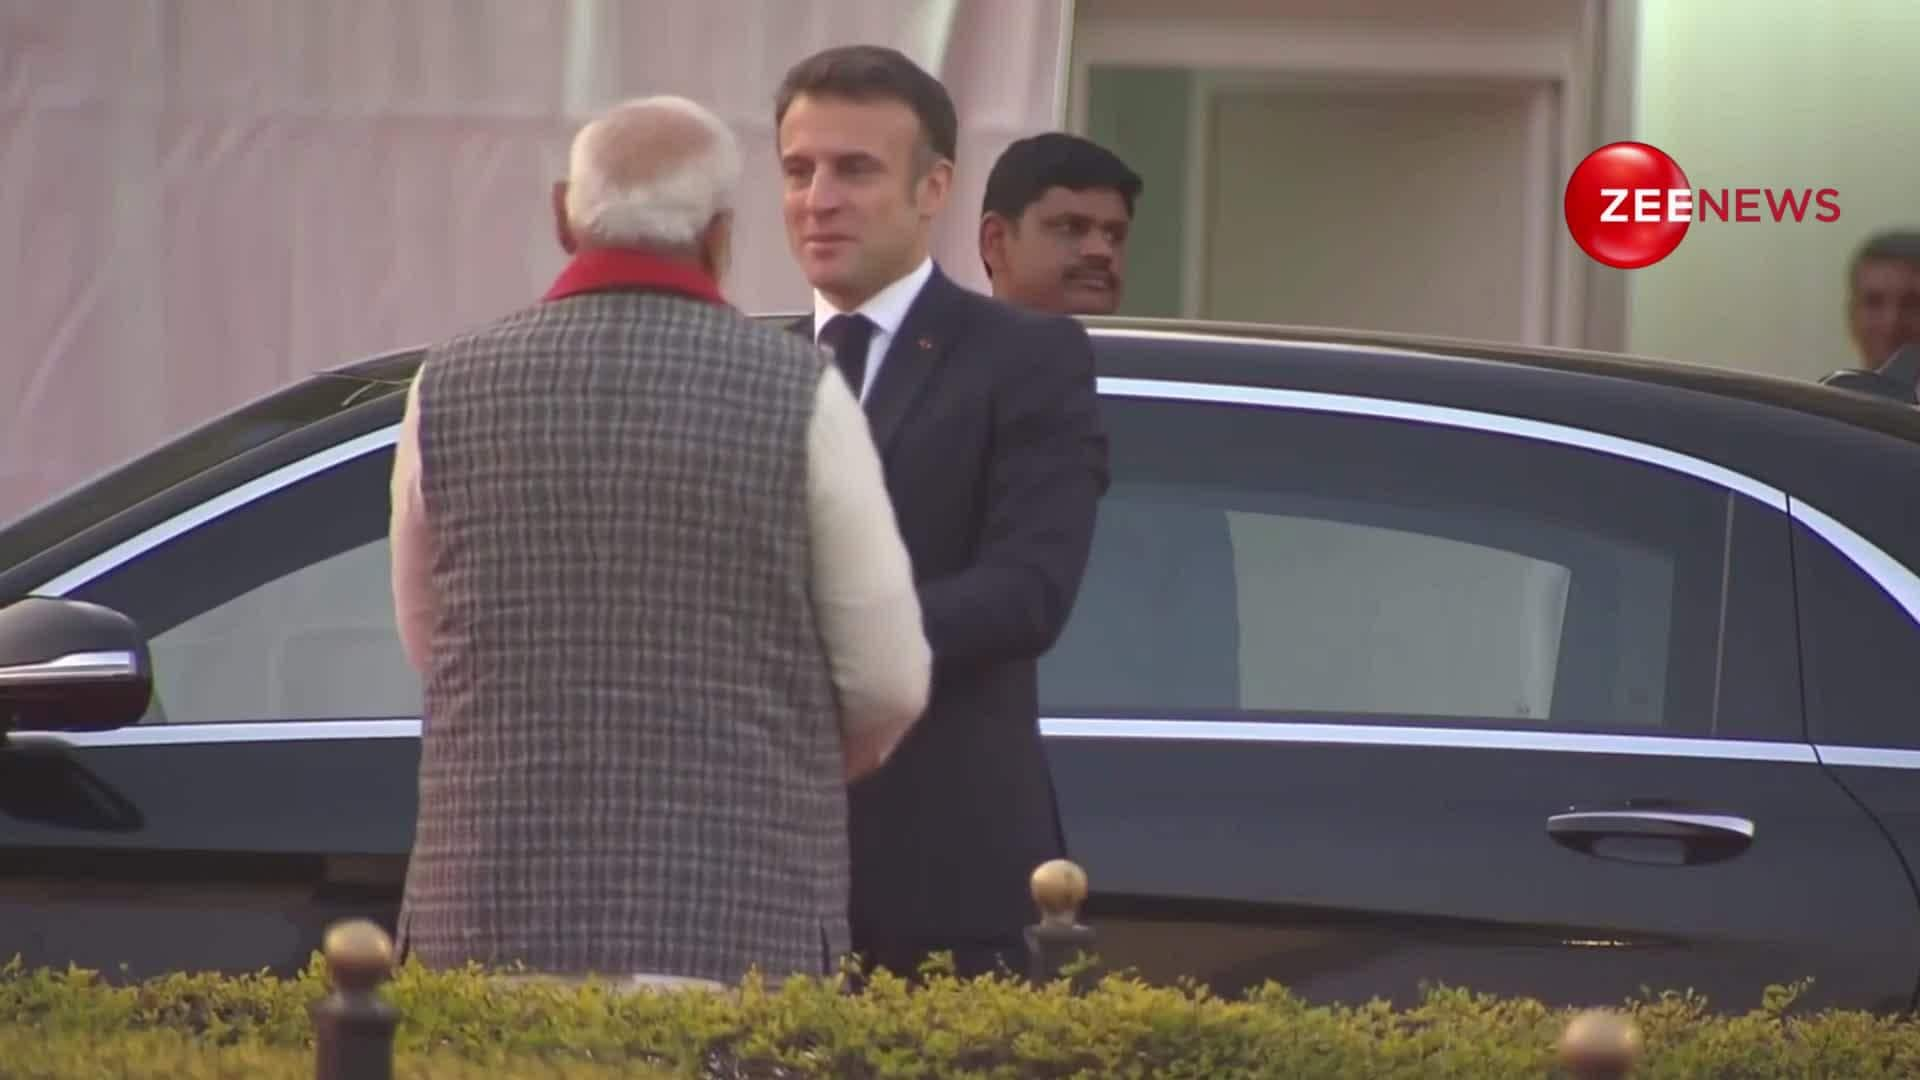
<point>600,269</point>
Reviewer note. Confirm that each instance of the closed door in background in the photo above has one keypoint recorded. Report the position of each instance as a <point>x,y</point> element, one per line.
<point>1417,207</point>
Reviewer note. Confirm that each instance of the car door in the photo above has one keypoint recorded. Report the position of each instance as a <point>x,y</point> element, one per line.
<point>1860,640</point>
<point>1362,694</point>
<point>269,790</point>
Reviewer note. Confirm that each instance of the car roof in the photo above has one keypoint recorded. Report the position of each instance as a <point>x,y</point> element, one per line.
<point>1845,406</point>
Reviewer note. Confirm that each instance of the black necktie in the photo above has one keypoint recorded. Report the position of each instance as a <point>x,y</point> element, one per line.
<point>849,335</point>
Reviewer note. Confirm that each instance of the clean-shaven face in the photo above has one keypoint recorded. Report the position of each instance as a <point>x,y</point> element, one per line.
<point>857,218</point>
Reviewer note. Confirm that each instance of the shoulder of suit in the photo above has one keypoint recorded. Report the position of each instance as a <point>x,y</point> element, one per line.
<point>1021,337</point>
<point>991,313</point>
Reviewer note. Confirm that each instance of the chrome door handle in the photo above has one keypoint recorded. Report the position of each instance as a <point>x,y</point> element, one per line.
<point>1676,824</point>
<point>1660,836</point>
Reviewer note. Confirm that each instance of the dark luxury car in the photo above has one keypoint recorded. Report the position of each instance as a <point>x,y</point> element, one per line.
<point>1397,661</point>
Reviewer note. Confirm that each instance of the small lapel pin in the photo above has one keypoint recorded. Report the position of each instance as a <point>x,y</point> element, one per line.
<point>926,343</point>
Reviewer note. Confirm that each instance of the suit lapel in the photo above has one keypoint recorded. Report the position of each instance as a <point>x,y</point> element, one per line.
<point>912,357</point>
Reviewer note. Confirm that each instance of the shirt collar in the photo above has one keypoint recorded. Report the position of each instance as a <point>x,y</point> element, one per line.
<point>604,269</point>
<point>887,308</point>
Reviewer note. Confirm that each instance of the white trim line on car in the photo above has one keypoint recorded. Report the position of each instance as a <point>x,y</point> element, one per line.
<point>1230,731</point>
<point>1448,416</point>
<point>1563,742</point>
<point>1868,757</point>
<point>257,732</point>
<point>1895,578</point>
<point>221,504</point>
<point>1241,731</point>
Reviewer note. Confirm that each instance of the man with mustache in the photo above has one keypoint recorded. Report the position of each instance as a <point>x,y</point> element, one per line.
<point>1053,235</point>
<point>1054,223</point>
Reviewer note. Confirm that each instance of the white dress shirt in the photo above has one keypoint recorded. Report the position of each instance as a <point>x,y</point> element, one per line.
<point>887,309</point>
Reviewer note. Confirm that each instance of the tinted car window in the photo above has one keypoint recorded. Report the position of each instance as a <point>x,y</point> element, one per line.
<point>1862,652</point>
<point>280,610</point>
<point>1284,563</point>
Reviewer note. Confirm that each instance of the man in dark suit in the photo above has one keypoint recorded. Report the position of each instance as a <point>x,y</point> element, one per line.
<point>1159,615</point>
<point>987,422</point>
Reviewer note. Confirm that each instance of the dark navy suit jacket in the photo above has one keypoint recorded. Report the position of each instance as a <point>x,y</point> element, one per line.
<point>987,421</point>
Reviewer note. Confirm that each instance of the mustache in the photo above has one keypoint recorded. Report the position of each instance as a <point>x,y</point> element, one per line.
<point>1094,273</point>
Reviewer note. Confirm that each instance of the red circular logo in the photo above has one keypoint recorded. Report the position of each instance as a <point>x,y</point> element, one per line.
<point>1628,205</point>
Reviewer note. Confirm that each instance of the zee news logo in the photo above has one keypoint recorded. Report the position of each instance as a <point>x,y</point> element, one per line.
<point>1629,205</point>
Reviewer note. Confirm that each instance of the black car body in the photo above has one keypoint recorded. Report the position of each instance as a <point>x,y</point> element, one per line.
<point>1397,661</point>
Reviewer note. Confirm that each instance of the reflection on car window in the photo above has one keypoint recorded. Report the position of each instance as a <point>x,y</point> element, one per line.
<point>1400,596</point>
<point>281,610</point>
<point>319,643</point>
<point>1271,561</point>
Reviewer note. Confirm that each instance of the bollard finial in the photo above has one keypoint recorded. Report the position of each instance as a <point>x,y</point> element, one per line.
<point>353,1028</point>
<point>359,955</point>
<point>1059,888</point>
<point>1600,1043</point>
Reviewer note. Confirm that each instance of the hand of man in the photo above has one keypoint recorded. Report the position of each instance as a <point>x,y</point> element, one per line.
<point>865,754</point>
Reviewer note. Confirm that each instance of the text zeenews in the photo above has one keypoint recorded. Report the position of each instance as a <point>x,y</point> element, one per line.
<point>1629,205</point>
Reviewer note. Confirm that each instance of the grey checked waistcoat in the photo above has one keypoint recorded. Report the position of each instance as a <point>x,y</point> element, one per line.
<point>630,758</point>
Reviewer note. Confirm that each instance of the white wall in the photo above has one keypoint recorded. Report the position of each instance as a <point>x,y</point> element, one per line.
<point>1782,93</point>
<point>202,200</point>
<point>1360,244</point>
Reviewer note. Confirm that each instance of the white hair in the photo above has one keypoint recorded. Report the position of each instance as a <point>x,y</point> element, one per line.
<point>651,172</point>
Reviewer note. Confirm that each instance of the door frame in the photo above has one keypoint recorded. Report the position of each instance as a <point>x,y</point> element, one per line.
<point>1585,81</point>
<point>1540,235</point>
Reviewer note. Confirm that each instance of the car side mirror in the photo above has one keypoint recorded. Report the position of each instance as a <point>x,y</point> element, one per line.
<point>66,665</point>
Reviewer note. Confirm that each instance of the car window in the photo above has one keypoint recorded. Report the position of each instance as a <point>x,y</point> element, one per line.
<point>1276,562</point>
<point>1862,652</point>
<point>280,610</point>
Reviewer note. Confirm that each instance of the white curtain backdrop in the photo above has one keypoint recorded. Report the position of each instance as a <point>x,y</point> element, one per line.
<point>205,199</point>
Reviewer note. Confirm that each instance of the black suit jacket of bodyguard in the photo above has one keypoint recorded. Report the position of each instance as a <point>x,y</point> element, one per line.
<point>987,421</point>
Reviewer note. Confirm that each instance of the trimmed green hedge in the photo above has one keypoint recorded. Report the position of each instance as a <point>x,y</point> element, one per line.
<point>460,1026</point>
<point>167,1055</point>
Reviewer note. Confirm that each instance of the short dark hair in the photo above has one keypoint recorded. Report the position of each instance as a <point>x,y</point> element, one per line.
<point>1030,166</point>
<point>1897,245</point>
<point>866,73</point>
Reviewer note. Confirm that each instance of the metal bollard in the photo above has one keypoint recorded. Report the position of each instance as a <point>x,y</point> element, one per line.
<point>1059,888</point>
<point>1600,1044</point>
<point>353,1026</point>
